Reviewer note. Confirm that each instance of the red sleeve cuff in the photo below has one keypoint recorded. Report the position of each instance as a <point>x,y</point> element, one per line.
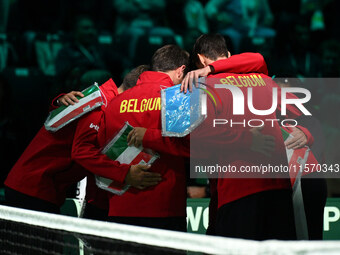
<point>124,169</point>
<point>54,104</point>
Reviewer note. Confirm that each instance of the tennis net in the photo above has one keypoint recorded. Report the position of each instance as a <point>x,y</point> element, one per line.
<point>29,232</point>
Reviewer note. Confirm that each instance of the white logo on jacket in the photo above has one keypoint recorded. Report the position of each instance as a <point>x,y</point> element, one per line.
<point>96,127</point>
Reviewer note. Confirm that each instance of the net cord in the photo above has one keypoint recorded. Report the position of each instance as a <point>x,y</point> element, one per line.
<point>165,238</point>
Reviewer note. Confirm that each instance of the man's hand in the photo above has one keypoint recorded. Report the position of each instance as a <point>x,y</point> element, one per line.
<point>196,192</point>
<point>192,77</point>
<point>261,143</point>
<point>135,137</point>
<point>70,98</point>
<point>298,140</point>
<point>140,177</point>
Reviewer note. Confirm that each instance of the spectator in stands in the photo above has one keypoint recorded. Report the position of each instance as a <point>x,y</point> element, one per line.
<point>195,22</point>
<point>100,11</point>
<point>296,58</point>
<point>239,19</point>
<point>85,54</point>
<point>8,54</point>
<point>36,15</point>
<point>7,51</point>
<point>331,18</point>
<point>4,11</point>
<point>8,139</point>
<point>138,14</point>
<point>285,14</point>
<point>301,55</point>
<point>135,20</point>
<point>187,19</point>
<point>330,59</point>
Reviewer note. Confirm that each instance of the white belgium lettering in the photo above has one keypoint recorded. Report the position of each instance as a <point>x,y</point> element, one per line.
<point>238,100</point>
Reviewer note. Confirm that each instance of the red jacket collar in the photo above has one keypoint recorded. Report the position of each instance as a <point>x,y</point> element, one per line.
<point>155,77</point>
<point>108,90</point>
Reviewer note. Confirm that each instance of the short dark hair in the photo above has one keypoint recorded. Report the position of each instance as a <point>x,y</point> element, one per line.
<point>169,58</point>
<point>211,46</point>
<point>131,78</point>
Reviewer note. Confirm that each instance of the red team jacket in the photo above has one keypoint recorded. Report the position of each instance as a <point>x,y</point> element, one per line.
<point>168,198</point>
<point>240,63</point>
<point>45,170</point>
<point>237,142</point>
<point>237,138</point>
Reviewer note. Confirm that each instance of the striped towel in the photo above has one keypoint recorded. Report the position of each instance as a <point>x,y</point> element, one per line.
<point>118,149</point>
<point>64,115</point>
<point>296,161</point>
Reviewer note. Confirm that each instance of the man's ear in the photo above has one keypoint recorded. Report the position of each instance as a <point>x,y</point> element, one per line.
<point>202,59</point>
<point>180,71</point>
<point>229,54</point>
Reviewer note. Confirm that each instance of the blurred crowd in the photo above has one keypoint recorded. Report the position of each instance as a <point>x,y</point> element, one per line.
<point>55,46</point>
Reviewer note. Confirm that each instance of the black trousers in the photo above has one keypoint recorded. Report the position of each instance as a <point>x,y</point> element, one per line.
<point>95,213</point>
<point>314,191</point>
<point>169,223</point>
<point>261,216</point>
<point>32,239</point>
<point>17,199</point>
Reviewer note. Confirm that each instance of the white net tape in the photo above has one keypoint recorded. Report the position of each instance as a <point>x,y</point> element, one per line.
<point>169,239</point>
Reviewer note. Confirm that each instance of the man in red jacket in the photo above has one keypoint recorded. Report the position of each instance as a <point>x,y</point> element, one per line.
<point>252,208</point>
<point>41,176</point>
<point>258,208</point>
<point>153,139</point>
<point>164,205</point>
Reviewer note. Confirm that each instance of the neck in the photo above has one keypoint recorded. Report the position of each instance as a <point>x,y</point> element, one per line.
<point>120,89</point>
<point>170,73</point>
<point>219,58</point>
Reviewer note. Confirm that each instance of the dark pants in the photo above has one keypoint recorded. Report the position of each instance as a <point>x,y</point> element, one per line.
<point>32,239</point>
<point>95,213</point>
<point>314,193</point>
<point>169,223</point>
<point>17,199</point>
<point>261,216</point>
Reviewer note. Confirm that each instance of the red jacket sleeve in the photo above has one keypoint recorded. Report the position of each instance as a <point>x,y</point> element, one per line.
<point>154,140</point>
<point>221,135</point>
<point>54,104</point>
<point>86,152</point>
<point>241,63</point>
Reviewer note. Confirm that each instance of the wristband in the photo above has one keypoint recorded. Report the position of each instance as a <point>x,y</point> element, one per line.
<point>212,69</point>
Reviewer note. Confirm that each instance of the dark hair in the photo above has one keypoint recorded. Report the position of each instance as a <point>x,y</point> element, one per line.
<point>168,58</point>
<point>211,46</point>
<point>131,78</point>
